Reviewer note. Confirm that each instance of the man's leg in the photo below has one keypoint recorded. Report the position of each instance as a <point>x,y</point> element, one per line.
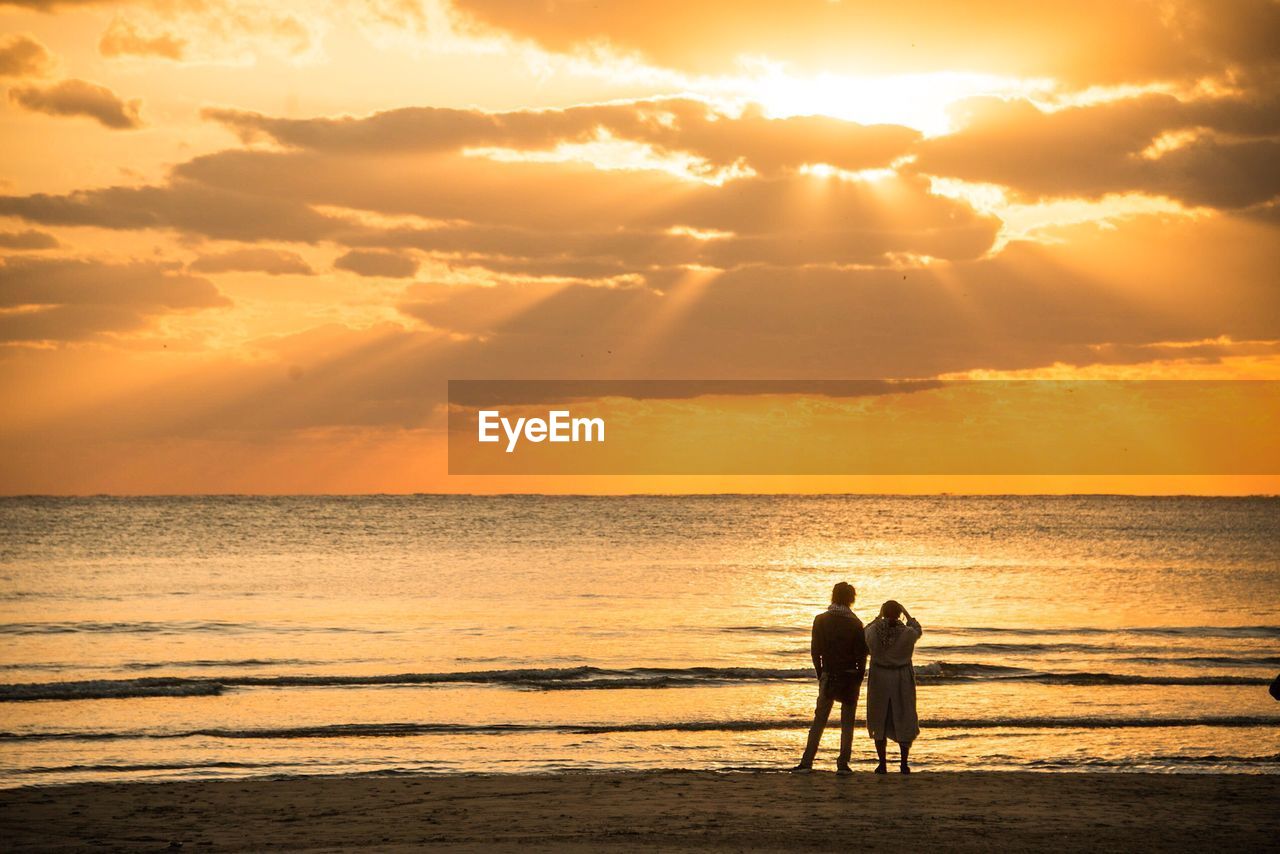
<point>820,714</point>
<point>848,710</point>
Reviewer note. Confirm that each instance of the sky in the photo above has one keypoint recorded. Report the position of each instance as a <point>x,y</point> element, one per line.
<point>244,245</point>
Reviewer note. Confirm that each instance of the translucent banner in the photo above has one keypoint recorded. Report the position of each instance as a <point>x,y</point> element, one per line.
<point>961,427</point>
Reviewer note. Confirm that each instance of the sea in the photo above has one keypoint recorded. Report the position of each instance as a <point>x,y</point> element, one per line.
<point>164,638</point>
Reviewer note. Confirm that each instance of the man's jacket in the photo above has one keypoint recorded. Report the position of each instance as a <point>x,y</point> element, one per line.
<point>838,644</point>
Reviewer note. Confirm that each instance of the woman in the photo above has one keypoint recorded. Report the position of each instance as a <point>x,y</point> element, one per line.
<point>891,682</point>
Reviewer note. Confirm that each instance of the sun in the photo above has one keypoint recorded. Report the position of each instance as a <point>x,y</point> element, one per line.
<point>919,101</point>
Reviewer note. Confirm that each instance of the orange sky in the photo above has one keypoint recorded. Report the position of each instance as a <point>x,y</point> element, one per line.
<point>246,243</point>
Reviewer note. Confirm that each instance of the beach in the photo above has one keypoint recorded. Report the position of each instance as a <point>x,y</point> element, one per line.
<point>670,810</point>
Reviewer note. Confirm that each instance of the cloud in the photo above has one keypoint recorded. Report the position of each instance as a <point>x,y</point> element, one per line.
<point>392,265</point>
<point>22,55</point>
<point>1082,43</point>
<point>1228,156</point>
<point>50,5</point>
<point>573,211</point>
<point>184,206</point>
<point>80,98</point>
<point>1104,296</point>
<point>573,220</point>
<point>123,39</point>
<point>669,126</point>
<point>29,239</point>
<point>1028,306</point>
<point>274,262</point>
<point>70,300</point>
<point>534,217</point>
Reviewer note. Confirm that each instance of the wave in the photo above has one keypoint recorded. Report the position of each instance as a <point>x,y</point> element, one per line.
<point>1143,654</point>
<point>1153,631</point>
<point>110,689</point>
<point>228,662</point>
<point>157,766</point>
<point>403,730</point>
<point>1111,652</point>
<point>1207,660</point>
<point>1158,759</point>
<point>946,672</point>
<point>569,678</point>
<point>180,627</point>
<point>1266,632</point>
<point>1028,648</point>
<point>548,679</point>
<point>228,627</point>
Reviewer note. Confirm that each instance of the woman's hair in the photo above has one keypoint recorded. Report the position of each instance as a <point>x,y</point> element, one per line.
<point>843,593</point>
<point>889,628</point>
<point>891,610</point>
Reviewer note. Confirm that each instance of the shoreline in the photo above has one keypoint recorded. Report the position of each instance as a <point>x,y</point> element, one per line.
<point>671,810</point>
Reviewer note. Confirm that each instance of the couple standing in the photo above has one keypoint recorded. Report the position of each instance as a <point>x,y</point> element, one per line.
<point>839,647</point>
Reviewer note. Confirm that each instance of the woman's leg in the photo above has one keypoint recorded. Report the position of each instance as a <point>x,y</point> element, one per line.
<point>882,742</point>
<point>904,748</point>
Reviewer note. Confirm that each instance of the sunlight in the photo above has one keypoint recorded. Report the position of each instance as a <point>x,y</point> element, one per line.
<point>607,152</point>
<point>1035,220</point>
<point>826,170</point>
<point>699,233</point>
<point>919,101</point>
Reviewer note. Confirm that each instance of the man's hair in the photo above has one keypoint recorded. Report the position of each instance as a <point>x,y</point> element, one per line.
<point>843,593</point>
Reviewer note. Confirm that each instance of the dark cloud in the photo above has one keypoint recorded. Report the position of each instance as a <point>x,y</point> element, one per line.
<point>186,206</point>
<point>80,98</point>
<point>29,239</point>
<point>1030,306</point>
<point>1106,296</point>
<point>574,212</point>
<point>22,55</point>
<point>123,39</point>
<point>1268,212</point>
<point>570,196</point>
<point>391,265</point>
<point>534,216</point>
<point>50,5</point>
<point>1230,159</point>
<point>275,262</point>
<point>68,300</point>
<point>669,126</point>
<point>1081,43</point>
<point>795,220</point>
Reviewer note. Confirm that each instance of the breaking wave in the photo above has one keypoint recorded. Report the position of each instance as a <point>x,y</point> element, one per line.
<point>569,678</point>
<point>403,730</point>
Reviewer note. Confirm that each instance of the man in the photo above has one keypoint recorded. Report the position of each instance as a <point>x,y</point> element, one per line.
<point>839,649</point>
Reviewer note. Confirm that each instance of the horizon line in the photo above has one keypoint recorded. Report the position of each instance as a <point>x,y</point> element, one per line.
<point>20,495</point>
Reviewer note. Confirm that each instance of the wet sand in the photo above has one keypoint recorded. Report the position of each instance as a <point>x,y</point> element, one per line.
<point>665,810</point>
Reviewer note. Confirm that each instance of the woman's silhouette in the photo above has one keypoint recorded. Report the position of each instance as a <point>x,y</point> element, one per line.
<point>891,682</point>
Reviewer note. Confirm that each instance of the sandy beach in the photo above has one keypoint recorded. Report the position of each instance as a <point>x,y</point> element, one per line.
<point>666,810</point>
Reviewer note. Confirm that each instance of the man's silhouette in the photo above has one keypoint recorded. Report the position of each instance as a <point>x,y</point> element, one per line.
<point>839,650</point>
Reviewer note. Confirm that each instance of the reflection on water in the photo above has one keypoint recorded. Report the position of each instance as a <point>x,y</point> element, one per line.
<point>229,636</point>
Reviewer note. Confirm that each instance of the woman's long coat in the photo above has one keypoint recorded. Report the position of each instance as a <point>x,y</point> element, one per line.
<point>891,682</point>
